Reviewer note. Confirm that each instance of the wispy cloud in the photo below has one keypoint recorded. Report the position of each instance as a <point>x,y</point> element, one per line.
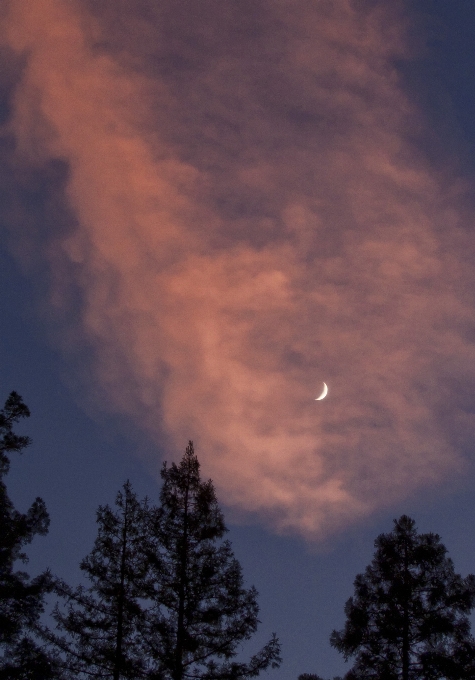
<point>253,220</point>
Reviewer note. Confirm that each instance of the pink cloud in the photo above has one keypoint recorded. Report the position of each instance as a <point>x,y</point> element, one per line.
<point>253,220</point>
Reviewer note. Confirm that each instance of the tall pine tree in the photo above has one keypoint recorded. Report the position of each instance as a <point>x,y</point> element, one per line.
<point>21,599</point>
<point>408,619</point>
<point>202,613</point>
<point>165,599</point>
<point>101,623</point>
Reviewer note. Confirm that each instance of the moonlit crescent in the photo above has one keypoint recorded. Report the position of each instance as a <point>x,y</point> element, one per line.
<point>323,394</point>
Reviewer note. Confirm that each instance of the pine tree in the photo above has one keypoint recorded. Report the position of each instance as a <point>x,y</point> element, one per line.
<point>202,612</point>
<point>101,623</point>
<point>409,618</point>
<point>166,598</point>
<point>21,599</point>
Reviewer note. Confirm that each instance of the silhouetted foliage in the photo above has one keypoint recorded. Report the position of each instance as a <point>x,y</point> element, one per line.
<point>408,618</point>
<point>28,660</point>
<point>166,599</point>
<point>202,613</point>
<point>101,624</point>
<point>21,599</point>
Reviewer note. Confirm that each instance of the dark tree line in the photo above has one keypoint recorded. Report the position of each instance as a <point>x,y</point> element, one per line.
<point>164,598</point>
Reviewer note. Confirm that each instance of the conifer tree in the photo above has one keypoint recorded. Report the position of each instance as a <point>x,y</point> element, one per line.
<point>408,619</point>
<point>202,613</point>
<point>166,599</point>
<point>101,623</point>
<point>21,599</point>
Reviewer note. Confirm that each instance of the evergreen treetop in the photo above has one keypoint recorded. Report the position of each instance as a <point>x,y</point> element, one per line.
<point>101,623</point>
<point>409,617</point>
<point>165,599</point>
<point>202,611</point>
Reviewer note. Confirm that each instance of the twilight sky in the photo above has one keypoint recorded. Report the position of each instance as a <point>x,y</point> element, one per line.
<point>208,209</point>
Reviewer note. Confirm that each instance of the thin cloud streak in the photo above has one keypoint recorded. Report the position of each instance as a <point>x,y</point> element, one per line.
<point>253,220</point>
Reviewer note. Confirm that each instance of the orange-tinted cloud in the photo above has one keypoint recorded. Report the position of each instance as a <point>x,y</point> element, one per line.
<point>253,220</point>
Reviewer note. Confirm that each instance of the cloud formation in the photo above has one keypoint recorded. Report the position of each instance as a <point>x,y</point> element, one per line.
<point>254,218</point>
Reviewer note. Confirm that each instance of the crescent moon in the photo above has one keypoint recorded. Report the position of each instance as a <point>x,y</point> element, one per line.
<point>323,394</point>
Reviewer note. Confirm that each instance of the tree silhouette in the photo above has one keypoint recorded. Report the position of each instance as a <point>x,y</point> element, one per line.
<point>166,598</point>
<point>202,612</point>
<point>101,624</point>
<point>409,618</point>
<point>21,599</point>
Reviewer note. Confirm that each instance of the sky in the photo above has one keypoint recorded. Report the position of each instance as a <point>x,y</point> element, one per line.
<point>208,209</point>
